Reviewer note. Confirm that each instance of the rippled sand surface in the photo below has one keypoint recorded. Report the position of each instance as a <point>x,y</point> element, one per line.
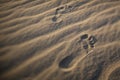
<point>59,39</point>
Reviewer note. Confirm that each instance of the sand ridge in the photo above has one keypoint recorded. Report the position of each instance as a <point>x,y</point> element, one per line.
<point>59,39</point>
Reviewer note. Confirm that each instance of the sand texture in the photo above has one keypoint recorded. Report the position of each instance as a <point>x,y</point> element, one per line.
<point>59,39</point>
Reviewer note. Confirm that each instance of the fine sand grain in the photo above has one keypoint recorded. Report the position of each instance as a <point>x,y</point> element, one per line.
<point>59,39</point>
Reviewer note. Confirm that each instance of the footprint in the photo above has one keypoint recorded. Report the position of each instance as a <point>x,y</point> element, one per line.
<point>64,63</point>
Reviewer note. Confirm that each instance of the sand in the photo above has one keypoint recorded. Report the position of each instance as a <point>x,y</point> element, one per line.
<point>59,39</point>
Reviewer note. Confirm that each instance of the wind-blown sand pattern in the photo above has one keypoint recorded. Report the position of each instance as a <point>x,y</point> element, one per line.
<point>59,39</point>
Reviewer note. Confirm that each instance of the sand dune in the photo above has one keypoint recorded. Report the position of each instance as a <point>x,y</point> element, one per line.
<point>59,39</point>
